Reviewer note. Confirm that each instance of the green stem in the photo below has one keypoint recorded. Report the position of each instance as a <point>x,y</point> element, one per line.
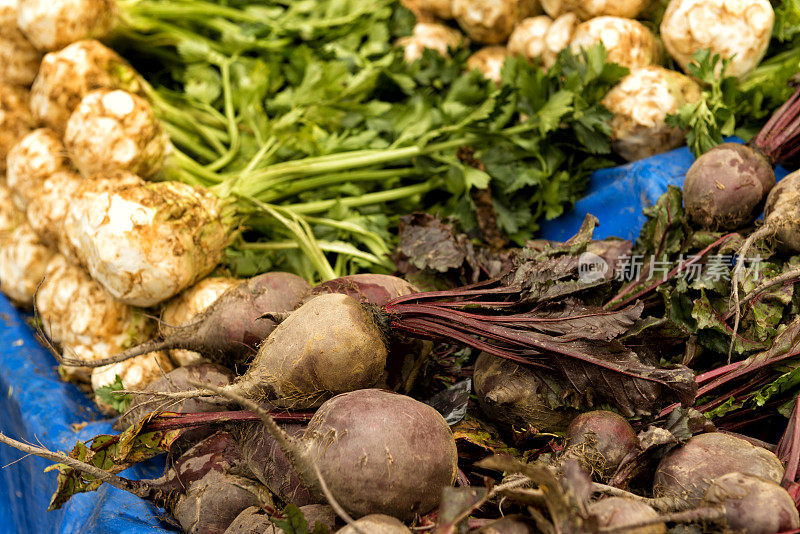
<point>256,183</point>
<point>197,10</point>
<point>336,247</point>
<point>364,200</point>
<point>188,141</point>
<point>305,184</point>
<point>230,115</point>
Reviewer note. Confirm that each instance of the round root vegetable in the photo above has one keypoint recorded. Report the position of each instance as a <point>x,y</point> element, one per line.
<point>15,118</point>
<point>599,441</point>
<point>47,209</point>
<point>23,261</point>
<point>542,37</point>
<point>640,104</point>
<point>725,188</point>
<point>627,42</point>
<point>428,9</point>
<point>19,59</point>
<point>489,60</point>
<point>54,25</point>
<point>373,451</point>
<point>68,75</point>
<point>491,21</point>
<point>618,512</point>
<point>180,379</point>
<point>256,521</point>
<point>510,525</point>
<point>36,157</point>
<point>430,35</point>
<point>375,289</point>
<point>685,473</point>
<point>753,505</point>
<point>146,242</point>
<point>231,328</point>
<point>376,524</point>
<point>734,29</point>
<point>10,216</point>
<point>516,396</point>
<point>330,345</point>
<point>589,9</point>
<point>184,309</point>
<point>77,313</point>
<point>528,37</point>
<point>212,503</point>
<point>268,463</point>
<point>112,129</point>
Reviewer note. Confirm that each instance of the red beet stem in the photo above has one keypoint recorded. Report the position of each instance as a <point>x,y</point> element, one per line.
<point>778,139</point>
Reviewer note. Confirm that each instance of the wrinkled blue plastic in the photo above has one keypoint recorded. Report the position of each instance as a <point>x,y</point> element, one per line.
<point>36,406</point>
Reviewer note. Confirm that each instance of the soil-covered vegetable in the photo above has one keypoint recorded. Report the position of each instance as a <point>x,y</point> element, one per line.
<point>739,31</point>
<point>231,328</point>
<point>48,207</point>
<point>19,59</point>
<point>430,35</point>
<point>52,26</point>
<point>378,524</point>
<point>628,42</point>
<point>145,242</point>
<point>629,9</point>
<point>68,75</point>
<point>685,473</point>
<point>376,451</point>
<point>727,186</point>
<point>111,130</point>
<point>753,505</point>
<point>80,316</point>
<point>489,61</point>
<point>23,262</point>
<point>542,38</point>
<point>15,118</point>
<point>492,21</point>
<point>599,440</point>
<point>184,309</point>
<point>519,397</point>
<point>640,104</point>
<point>31,161</point>
<point>618,512</point>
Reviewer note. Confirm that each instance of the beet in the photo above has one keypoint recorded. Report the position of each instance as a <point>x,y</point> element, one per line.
<point>330,345</point>
<point>229,331</point>
<point>726,187</point>
<point>376,524</point>
<point>375,289</point>
<point>685,473</point>
<point>599,441</point>
<point>376,451</point>
<point>753,505</point>
<point>618,511</point>
<point>510,525</point>
<point>516,396</point>
<point>268,463</point>
<point>256,521</point>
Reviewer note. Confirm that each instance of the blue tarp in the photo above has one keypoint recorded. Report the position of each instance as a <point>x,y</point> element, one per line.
<point>36,406</point>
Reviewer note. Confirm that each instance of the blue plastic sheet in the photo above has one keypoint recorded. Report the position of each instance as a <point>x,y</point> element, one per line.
<point>37,407</point>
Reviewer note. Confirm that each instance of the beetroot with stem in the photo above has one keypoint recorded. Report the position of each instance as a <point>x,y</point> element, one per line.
<point>683,476</point>
<point>618,512</point>
<point>726,187</point>
<point>229,331</point>
<point>376,452</point>
<point>517,397</point>
<point>599,440</point>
